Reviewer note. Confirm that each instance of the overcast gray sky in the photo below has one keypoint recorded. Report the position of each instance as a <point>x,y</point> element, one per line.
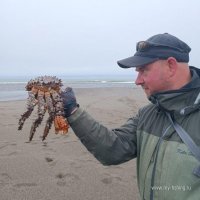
<point>80,37</point>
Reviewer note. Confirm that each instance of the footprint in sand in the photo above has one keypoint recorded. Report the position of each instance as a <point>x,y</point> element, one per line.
<point>109,179</point>
<point>48,159</point>
<point>46,148</point>
<point>66,178</point>
<point>44,144</point>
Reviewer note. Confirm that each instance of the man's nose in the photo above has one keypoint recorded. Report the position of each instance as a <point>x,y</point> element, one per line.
<point>139,80</point>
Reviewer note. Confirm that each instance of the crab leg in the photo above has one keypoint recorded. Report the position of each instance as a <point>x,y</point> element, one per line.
<point>51,112</point>
<point>41,112</point>
<point>61,125</point>
<point>31,103</point>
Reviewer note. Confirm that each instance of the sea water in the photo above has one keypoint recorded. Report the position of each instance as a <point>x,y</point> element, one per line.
<point>13,88</point>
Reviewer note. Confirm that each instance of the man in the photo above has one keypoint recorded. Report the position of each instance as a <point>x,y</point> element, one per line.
<point>165,164</point>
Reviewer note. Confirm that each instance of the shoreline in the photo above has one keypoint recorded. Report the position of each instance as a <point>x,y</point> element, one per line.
<point>20,95</point>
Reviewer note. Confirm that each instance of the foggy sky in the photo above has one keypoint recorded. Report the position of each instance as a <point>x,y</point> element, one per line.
<point>80,37</point>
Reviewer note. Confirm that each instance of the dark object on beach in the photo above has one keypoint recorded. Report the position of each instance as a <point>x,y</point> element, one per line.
<point>44,91</point>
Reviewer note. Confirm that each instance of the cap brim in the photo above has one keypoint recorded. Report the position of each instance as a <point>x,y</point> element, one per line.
<point>135,61</point>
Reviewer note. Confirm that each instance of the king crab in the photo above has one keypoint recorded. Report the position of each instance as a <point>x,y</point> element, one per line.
<point>44,91</point>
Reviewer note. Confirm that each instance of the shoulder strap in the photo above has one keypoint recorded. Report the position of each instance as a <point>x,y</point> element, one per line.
<point>188,141</point>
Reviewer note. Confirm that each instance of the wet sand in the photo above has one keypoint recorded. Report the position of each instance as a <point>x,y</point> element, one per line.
<point>60,167</point>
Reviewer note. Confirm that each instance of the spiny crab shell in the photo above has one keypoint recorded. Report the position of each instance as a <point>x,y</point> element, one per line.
<point>44,91</point>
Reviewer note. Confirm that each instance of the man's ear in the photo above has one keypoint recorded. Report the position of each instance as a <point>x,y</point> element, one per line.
<point>172,65</point>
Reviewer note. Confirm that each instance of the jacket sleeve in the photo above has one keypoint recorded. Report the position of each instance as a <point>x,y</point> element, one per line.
<point>110,147</point>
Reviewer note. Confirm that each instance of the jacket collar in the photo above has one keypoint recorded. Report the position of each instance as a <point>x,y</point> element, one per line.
<point>182,101</point>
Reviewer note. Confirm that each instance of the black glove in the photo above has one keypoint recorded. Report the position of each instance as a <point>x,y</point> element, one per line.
<point>69,101</point>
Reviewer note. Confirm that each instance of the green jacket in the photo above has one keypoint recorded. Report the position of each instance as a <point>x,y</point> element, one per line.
<point>164,166</point>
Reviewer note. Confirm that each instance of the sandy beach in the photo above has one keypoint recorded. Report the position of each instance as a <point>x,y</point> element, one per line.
<point>60,168</point>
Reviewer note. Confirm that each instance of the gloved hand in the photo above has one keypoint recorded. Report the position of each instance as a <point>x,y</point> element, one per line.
<point>69,101</point>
